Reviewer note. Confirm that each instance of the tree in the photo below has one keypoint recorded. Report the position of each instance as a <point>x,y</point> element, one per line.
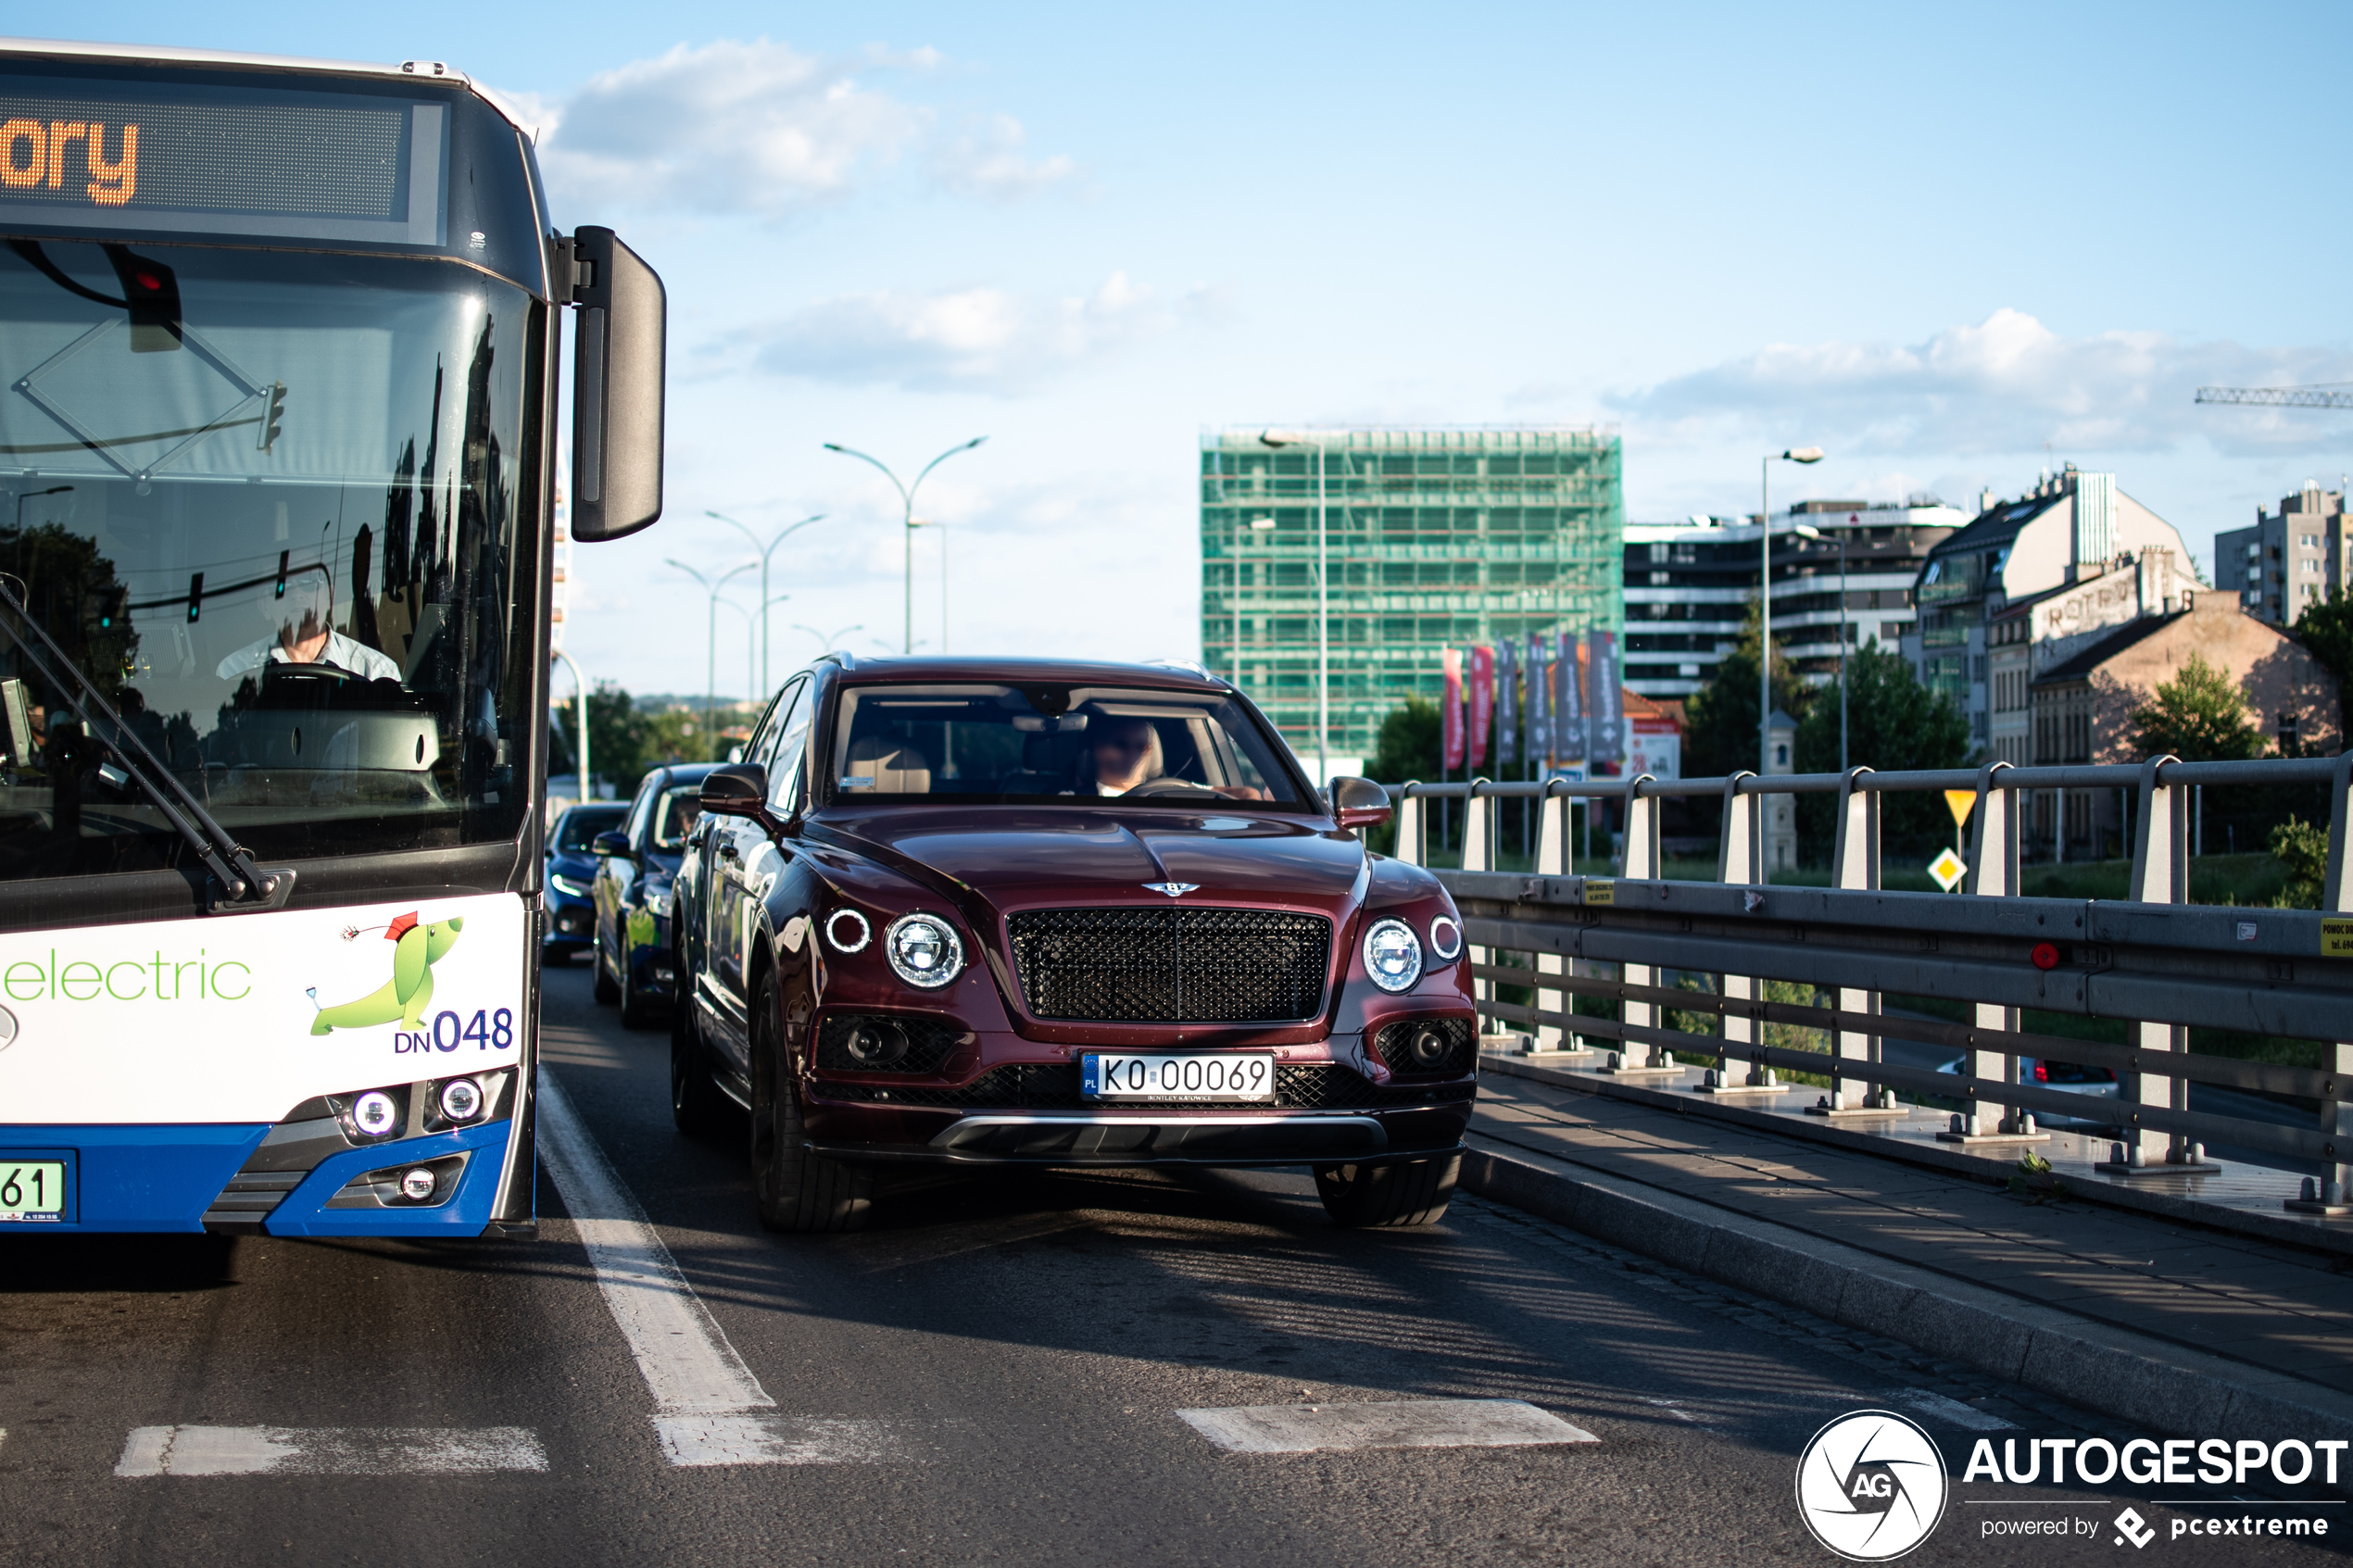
<point>1723,735</point>
<point>1892,722</point>
<point>2326,629</point>
<point>2198,716</point>
<point>2302,850</point>
<point>1409,744</point>
<point>626,741</point>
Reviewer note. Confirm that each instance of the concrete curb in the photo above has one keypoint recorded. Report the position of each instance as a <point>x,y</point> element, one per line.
<point>2284,1229</point>
<point>2166,1387</point>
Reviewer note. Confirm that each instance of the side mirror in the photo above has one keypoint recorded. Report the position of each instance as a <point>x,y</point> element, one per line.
<point>616,388</point>
<point>605,846</point>
<point>739,789</point>
<point>1359,803</point>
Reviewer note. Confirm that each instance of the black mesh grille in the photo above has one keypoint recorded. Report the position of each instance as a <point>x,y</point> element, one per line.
<point>930,1042</point>
<point>1393,1045</point>
<point>1055,1086</point>
<point>1172,965</point>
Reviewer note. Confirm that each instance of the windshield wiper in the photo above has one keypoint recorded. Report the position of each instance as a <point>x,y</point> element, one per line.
<point>242,882</point>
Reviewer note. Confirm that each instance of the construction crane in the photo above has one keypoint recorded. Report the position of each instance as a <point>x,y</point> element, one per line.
<point>2277,397</point>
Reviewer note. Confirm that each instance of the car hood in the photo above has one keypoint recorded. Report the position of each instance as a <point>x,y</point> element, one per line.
<point>579,867</point>
<point>1013,859</point>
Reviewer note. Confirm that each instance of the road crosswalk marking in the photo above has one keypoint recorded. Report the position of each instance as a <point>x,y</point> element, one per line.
<point>708,1409</point>
<point>329,1450</point>
<point>1389,1423</point>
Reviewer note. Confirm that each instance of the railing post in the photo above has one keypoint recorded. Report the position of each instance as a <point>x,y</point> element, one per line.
<point>1854,864</point>
<point>1412,834</point>
<point>1739,860</point>
<point>2337,1116</point>
<point>1479,817</point>
<point>1641,859</point>
<point>2160,875</point>
<point>1551,860</point>
<point>1994,857</point>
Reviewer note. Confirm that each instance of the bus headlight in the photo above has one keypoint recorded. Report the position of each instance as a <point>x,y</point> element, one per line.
<point>461,1099</point>
<point>924,950</point>
<point>375,1114</point>
<point>416,1183</point>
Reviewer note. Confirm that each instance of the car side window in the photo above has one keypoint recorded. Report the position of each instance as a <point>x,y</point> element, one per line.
<point>764,733</point>
<point>783,761</point>
<point>640,811</point>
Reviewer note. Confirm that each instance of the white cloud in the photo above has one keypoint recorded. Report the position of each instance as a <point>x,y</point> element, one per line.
<point>974,339</point>
<point>764,129</point>
<point>2008,385</point>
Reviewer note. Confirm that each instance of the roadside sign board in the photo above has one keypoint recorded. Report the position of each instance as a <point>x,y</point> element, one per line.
<point>1948,869</point>
<point>1961,802</point>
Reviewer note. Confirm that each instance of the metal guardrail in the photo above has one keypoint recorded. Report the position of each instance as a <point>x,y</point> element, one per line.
<point>2162,965</point>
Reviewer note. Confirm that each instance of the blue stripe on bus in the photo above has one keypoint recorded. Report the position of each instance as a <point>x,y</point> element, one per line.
<point>303,1212</point>
<point>142,1178</point>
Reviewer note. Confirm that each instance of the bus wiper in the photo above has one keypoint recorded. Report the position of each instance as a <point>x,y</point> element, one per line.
<point>242,882</point>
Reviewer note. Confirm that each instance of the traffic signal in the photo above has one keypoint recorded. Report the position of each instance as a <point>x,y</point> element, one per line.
<point>151,290</point>
<point>274,413</point>
<point>196,597</point>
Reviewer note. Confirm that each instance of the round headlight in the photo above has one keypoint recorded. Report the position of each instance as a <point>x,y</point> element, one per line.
<point>461,1099</point>
<point>1427,1045</point>
<point>1393,955</point>
<point>1445,937</point>
<point>847,930</point>
<point>375,1114</point>
<point>924,950</point>
<point>417,1184</point>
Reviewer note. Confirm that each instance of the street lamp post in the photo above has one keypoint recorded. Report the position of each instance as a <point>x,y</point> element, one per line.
<point>1765,597</point>
<point>788,531</point>
<point>754,642</point>
<point>1323,603</point>
<point>935,522</point>
<point>710,695</point>
<point>580,687</point>
<point>1805,531</point>
<point>1257,525</point>
<point>827,643</point>
<point>907,516</point>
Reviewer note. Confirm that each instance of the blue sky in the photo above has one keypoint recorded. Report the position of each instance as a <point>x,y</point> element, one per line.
<point>1950,247</point>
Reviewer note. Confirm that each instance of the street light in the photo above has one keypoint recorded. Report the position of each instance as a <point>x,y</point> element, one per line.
<point>907,503</point>
<point>710,697</point>
<point>753,641</point>
<point>826,643</point>
<point>790,529</point>
<point>1323,603</point>
<point>1806,532</point>
<point>52,490</point>
<point>1765,599</point>
<point>1257,525</point>
<point>935,522</point>
<point>580,685</point>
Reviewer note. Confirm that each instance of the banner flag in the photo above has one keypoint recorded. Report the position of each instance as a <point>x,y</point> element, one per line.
<point>1482,703</point>
<point>1605,700</point>
<point>1539,701</point>
<point>1568,726</point>
<point>1451,711</point>
<point>1507,701</point>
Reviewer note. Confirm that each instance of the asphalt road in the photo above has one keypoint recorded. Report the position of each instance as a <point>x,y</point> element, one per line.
<point>989,1374</point>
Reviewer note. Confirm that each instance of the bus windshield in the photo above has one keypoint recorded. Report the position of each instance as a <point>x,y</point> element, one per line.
<point>277,508</point>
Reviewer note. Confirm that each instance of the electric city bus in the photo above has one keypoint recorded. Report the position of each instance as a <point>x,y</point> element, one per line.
<point>278,360</point>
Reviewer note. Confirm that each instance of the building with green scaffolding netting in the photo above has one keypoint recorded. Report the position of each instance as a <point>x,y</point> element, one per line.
<point>1433,539</point>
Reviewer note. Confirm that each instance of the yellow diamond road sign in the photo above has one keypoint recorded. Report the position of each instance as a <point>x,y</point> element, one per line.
<point>1948,869</point>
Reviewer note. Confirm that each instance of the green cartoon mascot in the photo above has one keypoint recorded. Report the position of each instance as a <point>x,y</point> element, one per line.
<point>409,991</point>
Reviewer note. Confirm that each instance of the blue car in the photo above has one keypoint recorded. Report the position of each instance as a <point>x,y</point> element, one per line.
<point>635,862</point>
<point>571,869</point>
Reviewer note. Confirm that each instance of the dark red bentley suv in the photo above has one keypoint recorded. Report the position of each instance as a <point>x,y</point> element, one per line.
<point>969,911</point>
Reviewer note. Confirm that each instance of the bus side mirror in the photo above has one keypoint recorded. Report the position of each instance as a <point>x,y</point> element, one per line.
<point>616,388</point>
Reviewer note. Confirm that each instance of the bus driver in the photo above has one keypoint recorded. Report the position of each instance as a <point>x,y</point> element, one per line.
<point>304,636</point>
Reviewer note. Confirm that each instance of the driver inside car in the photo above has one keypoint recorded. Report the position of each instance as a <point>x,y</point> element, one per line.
<point>1125,754</point>
<point>305,636</point>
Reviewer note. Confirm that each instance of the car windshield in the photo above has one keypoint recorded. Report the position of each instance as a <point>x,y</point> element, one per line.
<point>1055,744</point>
<point>578,828</point>
<point>674,814</point>
<point>281,519</point>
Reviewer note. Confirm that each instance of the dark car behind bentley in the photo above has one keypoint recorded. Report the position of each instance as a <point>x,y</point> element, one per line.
<point>965,911</point>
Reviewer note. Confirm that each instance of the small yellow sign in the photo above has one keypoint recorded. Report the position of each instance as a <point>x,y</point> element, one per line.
<point>2336,939</point>
<point>1948,869</point>
<point>1598,891</point>
<point>1961,802</point>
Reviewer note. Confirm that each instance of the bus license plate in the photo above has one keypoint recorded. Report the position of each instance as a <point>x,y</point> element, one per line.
<point>36,1189</point>
<point>1187,1076</point>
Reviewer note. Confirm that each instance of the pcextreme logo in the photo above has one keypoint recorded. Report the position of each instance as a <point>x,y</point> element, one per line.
<point>1871,1485</point>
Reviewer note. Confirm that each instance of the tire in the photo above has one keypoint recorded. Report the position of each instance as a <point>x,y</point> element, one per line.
<point>796,1191</point>
<point>637,1011</point>
<point>696,1105</point>
<point>1412,1192</point>
<point>606,991</point>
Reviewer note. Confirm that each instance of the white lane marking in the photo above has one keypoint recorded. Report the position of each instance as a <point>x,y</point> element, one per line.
<point>1959,1414</point>
<point>706,1400</point>
<point>680,1348</point>
<point>694,1440</point>
<point>1397,1423</point>
<point>329,1450</point>
<point>1680,1414</point>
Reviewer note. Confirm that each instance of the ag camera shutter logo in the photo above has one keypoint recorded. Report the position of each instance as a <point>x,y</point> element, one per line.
<point>1871,1485</point>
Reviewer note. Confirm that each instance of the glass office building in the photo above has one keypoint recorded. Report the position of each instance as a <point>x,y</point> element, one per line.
<point>1433,538</point>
